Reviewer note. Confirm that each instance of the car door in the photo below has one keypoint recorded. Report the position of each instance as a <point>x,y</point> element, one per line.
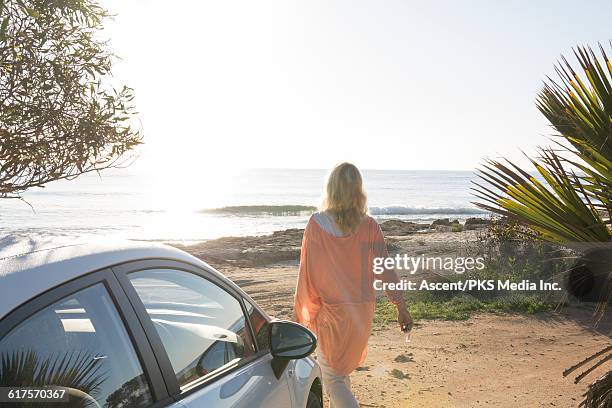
<point>85,338</point>
<point>203,340</point>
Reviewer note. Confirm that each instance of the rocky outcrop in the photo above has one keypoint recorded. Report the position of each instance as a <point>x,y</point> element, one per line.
<point>442,221</point>
<point>281,246</point>
<point>400,228</point>
<point>250,251</point>
<point>476,223</point>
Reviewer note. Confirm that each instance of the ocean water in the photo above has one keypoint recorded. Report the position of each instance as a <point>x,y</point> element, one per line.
<point>136,206</point>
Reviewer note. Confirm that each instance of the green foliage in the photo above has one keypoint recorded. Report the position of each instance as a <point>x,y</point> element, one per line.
<point>461,307</point>
<point>60,115</point>
<point>565,206</point>
<point>515,251</point>
<point>568,206</point>
<point>512,252</point>
<point>580,111</point>
<point>556,210</point>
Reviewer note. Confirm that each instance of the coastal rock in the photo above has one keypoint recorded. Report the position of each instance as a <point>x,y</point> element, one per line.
<point>280,246</point>
<point>400,228</point>
<point>442,221</point>
<point>250,251</point>
<point>475,223</point>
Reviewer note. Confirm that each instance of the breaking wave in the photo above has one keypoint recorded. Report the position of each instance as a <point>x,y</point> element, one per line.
<point>308,209</point>
<point>407,210</point>
<point>262,210</point>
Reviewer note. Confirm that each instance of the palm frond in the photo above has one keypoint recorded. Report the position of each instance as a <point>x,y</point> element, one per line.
<point>580,111</point>
<point>599,393</point>
<point>554,207</point>
<point>77,370</point>
<point>573,201</point>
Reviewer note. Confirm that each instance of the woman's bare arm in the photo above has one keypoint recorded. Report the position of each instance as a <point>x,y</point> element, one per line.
<point>397,298</point>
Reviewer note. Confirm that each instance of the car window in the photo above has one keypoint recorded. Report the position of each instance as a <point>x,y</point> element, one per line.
<point>201,326</point>
<point>78,342</point>
<point>260,326</point>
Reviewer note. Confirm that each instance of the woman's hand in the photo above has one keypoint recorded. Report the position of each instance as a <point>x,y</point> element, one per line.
<point>403,318</point>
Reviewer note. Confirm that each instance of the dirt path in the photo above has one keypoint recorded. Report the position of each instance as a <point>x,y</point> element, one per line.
<point>489,360</point>
<point>499,361</point>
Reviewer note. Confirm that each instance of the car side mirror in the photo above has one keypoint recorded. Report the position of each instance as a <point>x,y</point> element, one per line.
<point>289,341</point>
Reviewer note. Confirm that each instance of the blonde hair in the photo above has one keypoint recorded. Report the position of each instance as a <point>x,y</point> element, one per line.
<point>345,198</point>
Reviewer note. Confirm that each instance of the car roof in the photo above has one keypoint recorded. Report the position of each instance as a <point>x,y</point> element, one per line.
<point>31,266</point>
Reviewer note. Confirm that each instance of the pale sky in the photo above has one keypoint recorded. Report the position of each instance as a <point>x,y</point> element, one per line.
<point>306,84</point>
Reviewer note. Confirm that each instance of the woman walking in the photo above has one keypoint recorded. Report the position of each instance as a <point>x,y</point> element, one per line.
<point>335,295</point>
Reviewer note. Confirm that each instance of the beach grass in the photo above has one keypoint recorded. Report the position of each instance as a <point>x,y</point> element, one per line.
<point>513,260</point>
<point>426,306</point>
<point>459,305</point>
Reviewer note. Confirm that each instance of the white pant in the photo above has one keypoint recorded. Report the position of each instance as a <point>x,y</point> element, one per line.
<point>337,387</point>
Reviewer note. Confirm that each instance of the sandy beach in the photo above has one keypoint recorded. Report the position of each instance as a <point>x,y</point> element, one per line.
<point>502,360</point>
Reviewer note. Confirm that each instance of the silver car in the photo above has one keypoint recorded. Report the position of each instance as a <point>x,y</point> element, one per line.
<point>141,325</point>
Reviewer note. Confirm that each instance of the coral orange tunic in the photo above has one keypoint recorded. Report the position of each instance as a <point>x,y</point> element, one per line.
<point>335,294</point>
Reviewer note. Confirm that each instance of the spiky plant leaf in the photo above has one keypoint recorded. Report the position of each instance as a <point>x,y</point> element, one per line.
<point>78,370</point>
<point>573,202</point>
